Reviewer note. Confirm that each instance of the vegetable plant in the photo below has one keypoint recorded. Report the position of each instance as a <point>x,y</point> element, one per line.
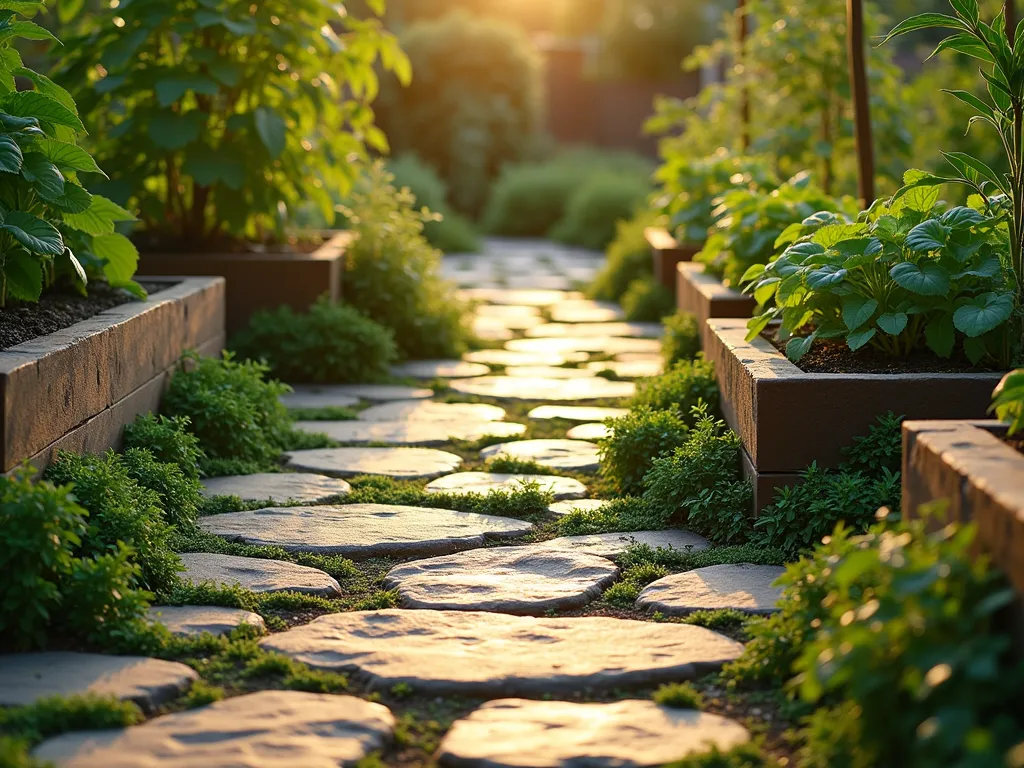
<point>749,222</point>
<point>49,224</point>
<point>1001,109</point>
<point>224,116</point>
<point>903,276</point>
<point>1008,400</point>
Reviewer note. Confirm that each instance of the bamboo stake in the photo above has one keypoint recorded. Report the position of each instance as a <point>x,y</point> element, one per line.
<point>741,13</point>
<point>861,105</point>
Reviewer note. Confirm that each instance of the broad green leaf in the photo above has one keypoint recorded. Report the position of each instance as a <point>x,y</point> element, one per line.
<point>857,310</point>
<point>76,265</point>
<point>271,129</point>
<point>892,323</point>
<point>961,216</point>
<point>990,267</point>
<point>10,155</point>
<point>975,349</point>
<point>800,251</point>
<point>47,87</point>
<point>35,234</point>
<point>983,313</point>
<point>798,346</point>
<point>939,335</point>
<point>825,276</point>
<point>924,21</point>
<point>43,175</point>
<point>766,289</point>
<point>207,166</point>
<point>23,276</point>
<point>42,107</point>
<point>753,272</point>
<point>1008,400</point>
<point>100,218</point>
<point>68,156</point>
<point>961,160</point>
<point>966,8</point>
<point>170,89</point>
<point>170,130</point>
<point>929,235</point>
<point>929,280</point>
<point>26,30</point>
<point>971,100</point>
<point>120,255</point>
<point>74,200</point>
<point>832,234</point>
<point>22,7</point>
<point>757,324</point>
<point>857,339</point>
<point>12,123</point>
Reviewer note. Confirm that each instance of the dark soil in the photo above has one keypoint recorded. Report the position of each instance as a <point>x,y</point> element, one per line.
<point>60,308</point>
<point>836,357</point>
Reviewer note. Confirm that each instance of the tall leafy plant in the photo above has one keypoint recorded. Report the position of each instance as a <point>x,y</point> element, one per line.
<point>224,116</point>
<point>49,224</point>
<point>1001,109</point>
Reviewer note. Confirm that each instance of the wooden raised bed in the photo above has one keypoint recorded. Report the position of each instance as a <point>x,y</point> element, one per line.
<point>787,418</point>
<point>76,389</point>
<point>967,464</point>
<point>666,253</point>
<point>707,298</point>
<point>258,281</point>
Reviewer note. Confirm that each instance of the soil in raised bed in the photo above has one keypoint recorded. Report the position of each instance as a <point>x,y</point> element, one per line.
<point>836,357</point>
<point>59,308</point>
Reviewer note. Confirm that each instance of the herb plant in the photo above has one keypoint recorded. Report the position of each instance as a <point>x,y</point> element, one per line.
<point>681,340</point>
<point>634,441</point>
<point>904,276</point>
<point>49,224</point>
<point>225,117</point>
<point>683,386</point>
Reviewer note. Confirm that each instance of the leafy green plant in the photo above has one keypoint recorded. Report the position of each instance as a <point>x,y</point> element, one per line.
<point>224,117</point>
<point>647,300</point>
<point>168,439</point>
<point>678,695</point>
<point>51,226</point>
<point>728,619</point>
<point>1003,70</point>
<point>634,441</point>
<point>681,340</point>
<point>53,715</point>
<point>596,206</point>
<point>468,116</point>
<point>680,388</point>
<point>743,756</point>
<point>627,257</point>
<point>880,449</point>
<point>63,578</point>
<point>392,275</point>
<point>330,342</point>
<point>179,494</point>
<point>749,222</point>
<point>622,513</point>
<point>1008,400</point>
<point>232,409</point>
<point>902,277</point>
<point>700,483</point>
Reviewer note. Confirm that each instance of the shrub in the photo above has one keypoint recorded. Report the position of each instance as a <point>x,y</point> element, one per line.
<point>120,511</point>
<point>647,301</point>
<point>701,482</point>
<point>330,342</point>
<point>680,388</point>
<point>168,439</point>
<point>180,496</point>
<point>681,340</point>
<point>529,200</point>
<point>60,578</point>
<point>634,441</point>
<point>233,410</point>
<point>596,206</point>
<point>392,275</point>
<point>678,695</point>
<point>627,258</point>
<point>467,115</point>
<point>452,232</point>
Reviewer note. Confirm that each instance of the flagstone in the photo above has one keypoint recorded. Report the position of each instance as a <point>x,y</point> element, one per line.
<point>630,369</point>
<point>742,587</point>
<point>506,357</point>
<point>345,395</point>
<point>402,463</point>
<point>513,388</point>
<point>191,620</point>
<point>422,433</point>
<point>256,574</point>
<point>484,482</point>
<point>612,545</point>
<point>586,311</point>
<point>437,369</point>
<point>361,531</point>
<point>561,508</point>
<point>592,431</point>
<point>523,297</point>
<point>576,412</point>
<point>485,654</point>
<point>568,455</point>
<point>549,372</point>
<point>580,330</point>
<point>519,580</point>
<point>427,410</point>
<point>280,487</point>
<point>608,345</point>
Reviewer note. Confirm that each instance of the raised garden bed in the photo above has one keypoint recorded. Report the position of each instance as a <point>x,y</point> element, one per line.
<point>970,466</point>
<point>788,418</point>
<point>258,281</point>
<point>666,253</point>
<point>706,297</point>
<point>76,388</point>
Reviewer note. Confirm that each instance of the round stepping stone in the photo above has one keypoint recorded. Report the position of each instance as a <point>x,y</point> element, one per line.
<point>586,311</point>
<point>592,431</point>
<point>507,357</point>
<point>742,587</point>
<point>612,545</point>
<point>608,345</point>
<point>568,455</point>
<point>484,482</point>
<point>279,487</point>
<point>631,369</point>
<point>427,410</point>
<point>629,357</point>
<point>518,733</point>
<point>576,412</point>
<point>491,329</point>
<point>561,508</point>
<point>29,677</point>
<point>256,574</point>
<point>549,372</point>
<point>507,311</point>
<point>345,395</point>
<point>411,432</point>
<point>529,298</point>
<point>517,580</point>
<point>362,531</point>
<point>404,463</point>
<point>485,654</point>
<point>512,388</point>
<point>568,330</point>
<point>268,729</point>
<point>439,369</point>
<point>511,322</point>
<point>189,620</point>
